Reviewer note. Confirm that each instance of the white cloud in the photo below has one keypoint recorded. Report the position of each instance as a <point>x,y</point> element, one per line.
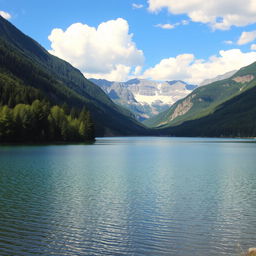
<point>165,26</point>
<point>171,68</point>
<point>5,15</point>
<point>137,70</point>
<point>220,14</point>
<point>246,37</point>
<point>184,22</point>
<point>107,51</point>
<point>120,73</point>
<point>172,26</point>
<point>137,6</point>
<point>253,47</point>
<point>228,42</point>
<point>186,67</point>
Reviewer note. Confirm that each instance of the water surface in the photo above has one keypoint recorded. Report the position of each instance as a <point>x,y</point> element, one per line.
<point>129,196</point>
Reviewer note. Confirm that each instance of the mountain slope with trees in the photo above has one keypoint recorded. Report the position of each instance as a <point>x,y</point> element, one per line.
<point>222,109</point>
<point>28,72</point>
<point>234,118</point>
<point>204,100</point>
<point>39,122</point>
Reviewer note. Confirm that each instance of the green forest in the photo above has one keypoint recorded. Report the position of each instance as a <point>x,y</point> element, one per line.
<point>40,122</point>
<point>28,72</point>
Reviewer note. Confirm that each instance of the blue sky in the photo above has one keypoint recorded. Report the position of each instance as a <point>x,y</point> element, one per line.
<point>160,39</point>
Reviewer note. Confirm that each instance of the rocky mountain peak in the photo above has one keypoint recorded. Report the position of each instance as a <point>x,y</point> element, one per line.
<point>143,97</point>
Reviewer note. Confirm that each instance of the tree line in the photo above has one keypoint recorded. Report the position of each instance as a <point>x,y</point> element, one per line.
<point>41,122</point>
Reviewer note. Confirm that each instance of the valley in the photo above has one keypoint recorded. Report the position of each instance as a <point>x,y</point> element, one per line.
<point>127,128</point>
<point>136,107</point>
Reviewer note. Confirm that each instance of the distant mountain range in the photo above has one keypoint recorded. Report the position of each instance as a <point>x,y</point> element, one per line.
<point>222,108</point>
<point>145,98</point>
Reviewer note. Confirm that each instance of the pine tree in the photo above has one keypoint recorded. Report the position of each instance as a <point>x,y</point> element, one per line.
<point>6,124</point>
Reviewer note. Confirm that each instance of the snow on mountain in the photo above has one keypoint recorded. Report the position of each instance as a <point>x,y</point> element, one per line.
<point>145,98</point>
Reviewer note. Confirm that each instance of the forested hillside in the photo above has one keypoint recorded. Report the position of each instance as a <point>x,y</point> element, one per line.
<point>214,109</point>
<point>28,72</point>
<point>39,122</point>
<point>234,118</point>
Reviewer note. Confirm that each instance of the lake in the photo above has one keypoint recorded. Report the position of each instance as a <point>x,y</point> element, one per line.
<point>129,196</point>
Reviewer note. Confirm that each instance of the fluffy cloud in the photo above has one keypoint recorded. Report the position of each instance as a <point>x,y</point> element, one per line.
<point>137,6</point>
<point>187,67</point>
<point>137,71</point>
<point>171,26</point>
<point>253,47</point>
<point>107,51</point>
<point>184,22</point>
<point>228,42</point>
<point>220,14</point>
<point>5,15</point>
<point>119,73</point>
<point>246,37</point>
<point>171,69</point>
<point>165,26</point>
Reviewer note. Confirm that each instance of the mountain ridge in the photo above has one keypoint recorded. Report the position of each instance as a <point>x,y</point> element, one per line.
<point>143,97</point>
<point>233,118</point>
<point>195,114</point>
<point>60,82</point>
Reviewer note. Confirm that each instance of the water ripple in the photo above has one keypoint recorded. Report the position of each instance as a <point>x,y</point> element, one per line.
<point>157,196</point>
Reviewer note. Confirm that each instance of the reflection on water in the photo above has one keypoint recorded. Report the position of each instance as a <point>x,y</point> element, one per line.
<point>129,196</point>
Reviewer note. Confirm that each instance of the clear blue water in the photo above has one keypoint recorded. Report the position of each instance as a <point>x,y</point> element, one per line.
<point>129,196</point>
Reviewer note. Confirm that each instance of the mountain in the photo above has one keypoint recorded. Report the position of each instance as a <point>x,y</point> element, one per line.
<point>29,72</point>
<point>234,118</point>
<point>145,98</point>
<point>218,78</point>
<point>222,108</point>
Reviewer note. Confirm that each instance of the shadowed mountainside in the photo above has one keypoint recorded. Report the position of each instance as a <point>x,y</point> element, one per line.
<point>29,72</point>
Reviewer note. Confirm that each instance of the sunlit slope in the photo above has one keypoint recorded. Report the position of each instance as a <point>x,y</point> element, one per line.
<point>234,118</point>
<point>205,100</point>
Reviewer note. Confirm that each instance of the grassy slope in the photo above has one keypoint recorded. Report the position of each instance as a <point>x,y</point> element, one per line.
<point>205,99</point>
<point>235,117</point>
